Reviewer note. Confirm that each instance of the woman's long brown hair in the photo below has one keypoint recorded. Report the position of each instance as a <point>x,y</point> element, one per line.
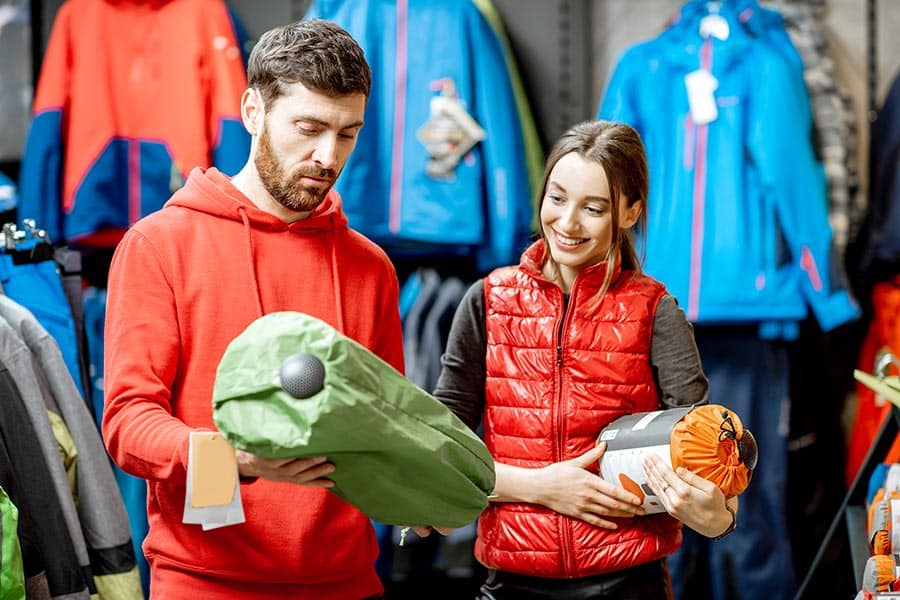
<point>619,150</point>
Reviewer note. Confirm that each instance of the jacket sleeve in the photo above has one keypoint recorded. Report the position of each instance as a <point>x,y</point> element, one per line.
<point>142,353</point>
<point>41,175</point>
<point>675,357</point>
<point>226,81</point>
<point>463,369</point>
<point>507,189</point>
<point>779,144</point>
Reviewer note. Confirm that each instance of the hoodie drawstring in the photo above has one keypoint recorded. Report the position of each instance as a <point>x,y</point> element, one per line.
<point>336,281</point>
<point>252,263</point>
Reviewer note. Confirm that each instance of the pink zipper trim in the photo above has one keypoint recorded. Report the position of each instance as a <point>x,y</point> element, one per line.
<point>698,218</point>
<point>134,181</point>
<point>808,264</point>
<point>688,155</point>
<point>399,116</point>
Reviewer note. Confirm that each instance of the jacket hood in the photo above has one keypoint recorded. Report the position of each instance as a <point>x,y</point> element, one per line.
<point>686,43</point>
<point>211,192</point>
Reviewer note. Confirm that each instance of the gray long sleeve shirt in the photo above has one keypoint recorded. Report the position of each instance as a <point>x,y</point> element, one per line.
<point>673,357</point>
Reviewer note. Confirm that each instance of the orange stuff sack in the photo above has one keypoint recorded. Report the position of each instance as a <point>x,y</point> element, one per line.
<point>878,497</point>
<point>711,441</point>
<point>879,573</point>
<point>879,520</point>
<point>880,527</point>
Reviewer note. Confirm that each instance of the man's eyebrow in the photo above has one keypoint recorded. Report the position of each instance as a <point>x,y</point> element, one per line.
<point>321,123</point>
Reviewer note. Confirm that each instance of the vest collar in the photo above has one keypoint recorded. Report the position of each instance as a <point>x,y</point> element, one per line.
<point>534,256</point>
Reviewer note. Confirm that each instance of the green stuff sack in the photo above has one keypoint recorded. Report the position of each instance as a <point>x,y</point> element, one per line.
<point>400,455</point>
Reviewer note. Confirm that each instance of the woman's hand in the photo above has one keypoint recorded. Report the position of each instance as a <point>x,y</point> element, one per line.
<point>694,501</point>
<point>302,471</point>
<point>569,488</point>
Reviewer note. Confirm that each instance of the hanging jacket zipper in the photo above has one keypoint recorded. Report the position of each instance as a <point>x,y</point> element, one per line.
<point>699,200</point>
<point>399,130</point>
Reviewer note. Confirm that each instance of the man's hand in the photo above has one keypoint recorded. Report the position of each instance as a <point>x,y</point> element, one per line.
<point>302,471</point>
<point>426,531</point>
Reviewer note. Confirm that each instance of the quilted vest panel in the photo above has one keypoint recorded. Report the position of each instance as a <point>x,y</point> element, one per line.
<point>555,378</point>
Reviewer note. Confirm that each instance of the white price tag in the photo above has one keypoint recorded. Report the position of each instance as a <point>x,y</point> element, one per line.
<point>715,26</point>
<point>701,86</point>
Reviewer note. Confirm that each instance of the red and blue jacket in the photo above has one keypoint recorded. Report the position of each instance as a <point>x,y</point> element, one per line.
<point>132,96</point>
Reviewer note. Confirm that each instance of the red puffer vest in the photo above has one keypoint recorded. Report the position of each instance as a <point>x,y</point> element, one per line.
<point>554,380</point>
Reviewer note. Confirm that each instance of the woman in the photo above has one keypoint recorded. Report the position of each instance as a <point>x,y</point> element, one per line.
<point>545,354</point>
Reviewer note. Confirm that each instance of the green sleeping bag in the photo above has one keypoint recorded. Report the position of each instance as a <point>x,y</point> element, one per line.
<point>400,455</point>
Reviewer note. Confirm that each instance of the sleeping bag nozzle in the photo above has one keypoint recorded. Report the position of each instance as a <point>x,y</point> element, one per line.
<point>301,375</point>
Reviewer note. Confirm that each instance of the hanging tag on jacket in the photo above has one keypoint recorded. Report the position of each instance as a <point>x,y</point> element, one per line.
<point>701,86</point>
<point>716,26</point>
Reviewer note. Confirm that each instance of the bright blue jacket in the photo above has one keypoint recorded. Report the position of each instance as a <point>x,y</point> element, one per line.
<point>413,46</point>
<point>737,215</point>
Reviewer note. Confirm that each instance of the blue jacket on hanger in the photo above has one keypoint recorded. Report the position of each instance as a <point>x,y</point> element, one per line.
<point>737,219</point>
<point>418,50</point>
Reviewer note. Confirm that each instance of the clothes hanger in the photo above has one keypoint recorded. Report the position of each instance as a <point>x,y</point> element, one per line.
<point>25,246</point>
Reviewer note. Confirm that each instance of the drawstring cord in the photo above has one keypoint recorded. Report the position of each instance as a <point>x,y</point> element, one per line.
<point>727,429</point>
<point>748,453</point>
<point>252,263</point>
<point>335,281</point>
<point>334,270</point>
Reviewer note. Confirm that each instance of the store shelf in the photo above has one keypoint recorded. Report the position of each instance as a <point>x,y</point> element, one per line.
<point>837,569</point>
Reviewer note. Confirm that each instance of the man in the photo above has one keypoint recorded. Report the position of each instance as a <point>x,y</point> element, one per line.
<point>188,279</point>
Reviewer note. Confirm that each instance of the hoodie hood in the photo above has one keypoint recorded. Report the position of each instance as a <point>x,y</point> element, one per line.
<point>211,192</point>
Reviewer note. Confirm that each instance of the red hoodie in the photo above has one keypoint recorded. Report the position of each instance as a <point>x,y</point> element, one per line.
<point>184,282</point>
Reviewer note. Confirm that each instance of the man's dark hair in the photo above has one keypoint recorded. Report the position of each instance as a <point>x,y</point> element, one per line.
<point>318,54</point>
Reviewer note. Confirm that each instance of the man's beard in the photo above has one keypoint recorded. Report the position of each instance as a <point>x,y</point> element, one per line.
<point>289,190</point>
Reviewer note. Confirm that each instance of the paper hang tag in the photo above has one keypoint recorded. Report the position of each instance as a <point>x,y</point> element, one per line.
<point>715,26</point>
<point>214,469</point>
<point>212,495</point>
<point>448,135</point>
<point>701,85</point>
